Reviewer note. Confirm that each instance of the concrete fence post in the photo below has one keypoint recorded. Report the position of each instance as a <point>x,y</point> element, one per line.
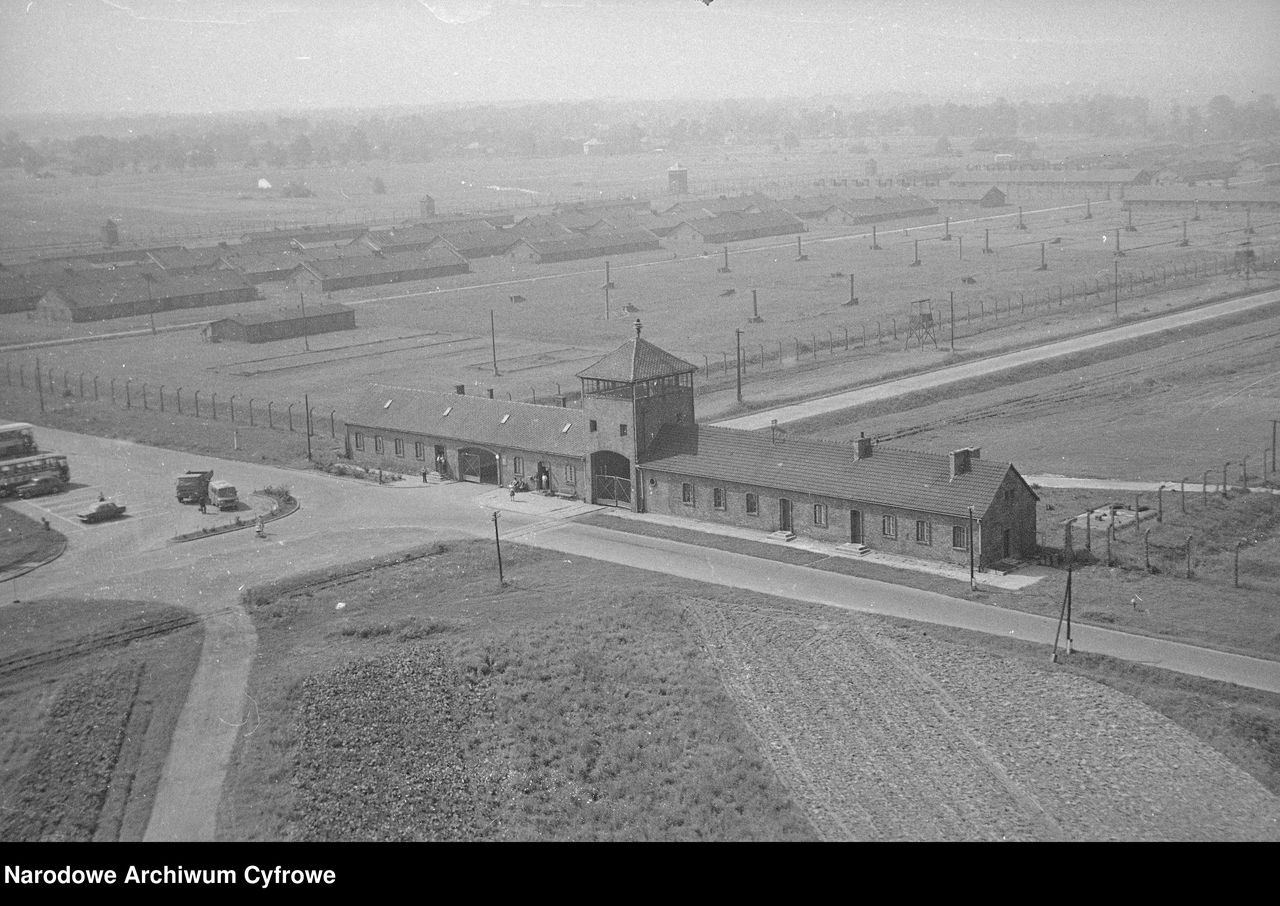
<point>271,422</point>
<point>177,394</point>
<point>128,402</point>
<point>333,432</point>
<point>289,409</point>
<point>162,397</point>
<point>213,404</point>
<point>232,402</point>
<point>95,387</point>
<point>144,398</point>
<point>197,403</point>
<point>81,387</point>
<point>1188,556</point>
<point>250,412</point>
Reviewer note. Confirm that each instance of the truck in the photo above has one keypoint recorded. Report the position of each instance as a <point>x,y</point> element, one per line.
<point>222,494</point>
<point>193,485</point>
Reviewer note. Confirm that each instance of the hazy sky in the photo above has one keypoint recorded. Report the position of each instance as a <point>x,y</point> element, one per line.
<point>131,56</point>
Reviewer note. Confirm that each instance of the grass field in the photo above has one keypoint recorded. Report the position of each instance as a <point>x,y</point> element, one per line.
<point>419,701</point>
<point>23,540</point>
<point>91,692</point>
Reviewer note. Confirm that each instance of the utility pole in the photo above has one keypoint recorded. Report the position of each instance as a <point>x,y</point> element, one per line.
<point>302,300</point>
<point>306,401</point>
<point>497,542</point>
<point>953,320</point>
<point>39,387</point>
<point>493,340</point>
<point>737,336</point>
<point>973,584</point>
<point>1115,284</point>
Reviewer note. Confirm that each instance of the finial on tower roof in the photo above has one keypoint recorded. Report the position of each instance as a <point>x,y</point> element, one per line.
<point>637,327</point>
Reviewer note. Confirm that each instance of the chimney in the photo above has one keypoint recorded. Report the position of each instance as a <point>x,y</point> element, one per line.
<point>959,460</point>
<point>460,389</point>
<point>490,393</point>
<point>864,445</point>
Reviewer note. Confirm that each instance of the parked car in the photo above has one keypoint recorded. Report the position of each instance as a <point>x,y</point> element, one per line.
<point>102,511</point>
<point>38,487</point>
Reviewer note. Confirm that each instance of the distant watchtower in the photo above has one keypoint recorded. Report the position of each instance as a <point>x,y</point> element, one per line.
<point>630,395</point>
<point>678,181</point>
<point>427,206</point>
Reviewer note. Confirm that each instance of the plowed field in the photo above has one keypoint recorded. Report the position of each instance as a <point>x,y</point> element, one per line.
<point>882,733</point>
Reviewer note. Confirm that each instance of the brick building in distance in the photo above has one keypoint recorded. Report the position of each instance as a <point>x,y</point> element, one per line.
<point>633,442</point>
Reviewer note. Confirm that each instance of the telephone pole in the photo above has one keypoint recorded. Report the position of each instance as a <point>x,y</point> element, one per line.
<point>738,339</point>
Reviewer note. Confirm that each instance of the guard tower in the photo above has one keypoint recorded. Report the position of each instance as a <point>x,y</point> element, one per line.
<point>678,180</point>
<point>630,395</point>
<point>921,326</point>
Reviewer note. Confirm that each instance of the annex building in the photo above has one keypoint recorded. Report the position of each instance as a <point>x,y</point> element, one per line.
<point>633,442</point>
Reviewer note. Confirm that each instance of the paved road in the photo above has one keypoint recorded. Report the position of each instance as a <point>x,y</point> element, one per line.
<point>343,520</point>
<point>993,364</point>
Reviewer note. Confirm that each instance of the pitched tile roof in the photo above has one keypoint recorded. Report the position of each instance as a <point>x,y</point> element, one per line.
<point>889,477</point>
<point>634,361</point>
<point>476,419</point>
<point>113,289</point>
<point>295,313</point>
<point>725,227</point>
<point>405,262</point>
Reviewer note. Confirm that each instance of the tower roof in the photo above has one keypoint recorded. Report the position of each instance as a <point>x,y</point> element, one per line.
<point>636,360</point>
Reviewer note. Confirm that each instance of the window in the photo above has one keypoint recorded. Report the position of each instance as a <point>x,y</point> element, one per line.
<point>517,465</point>
<point>924,532</point>
<point>570,474</point>
<point>377,443</point>
<point>820,514</point>
<point>717,498</point>
<point>753,505</point>
<point>400,447</point>
<point>622,430</point>
<point>420,450</point>
<point>686,494</point>
<point>960,537</point>
<point>593,424</point>
<point>359,441</point>
<point>889,526</point>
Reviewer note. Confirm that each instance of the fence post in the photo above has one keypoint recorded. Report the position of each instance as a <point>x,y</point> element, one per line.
<point>213,404</point>
<point>250,412</point>
<point>289,408</point>
<point>162,397</point>
<point>332,430</point>
<point>846,338</point>
<point>95,388</point>
<point>128,403</point>
<point>232,401</point>
<point>144,398</point>
<point>82,385</point>
<point>895,329</point>
<point>178,396</point>
<point>270,415</point>
<point>1146,549</point>
<point>66,389</point>
<point>197,404</point>
<point>1188,556</point>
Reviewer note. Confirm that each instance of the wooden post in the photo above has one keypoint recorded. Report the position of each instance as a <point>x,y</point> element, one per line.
<point>1088,531</point>
<point>1188,556</point>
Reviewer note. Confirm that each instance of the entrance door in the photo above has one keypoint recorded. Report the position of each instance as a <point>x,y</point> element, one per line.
<point>479,465</point>
<point>855,526</point>
<point>610,478</point>
<point>1006,538</point>
<point>784,514</point>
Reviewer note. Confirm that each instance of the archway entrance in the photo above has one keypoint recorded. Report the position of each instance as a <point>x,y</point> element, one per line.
<point>478,464</point>
<point>610,478</point>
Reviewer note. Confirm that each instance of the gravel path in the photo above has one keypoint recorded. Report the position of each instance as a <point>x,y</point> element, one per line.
<point>884,734</point>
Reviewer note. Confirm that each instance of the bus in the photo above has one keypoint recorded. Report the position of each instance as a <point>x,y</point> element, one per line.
<point>15,472</point>
<point>17,440</point>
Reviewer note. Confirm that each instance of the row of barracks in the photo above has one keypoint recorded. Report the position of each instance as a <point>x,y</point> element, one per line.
<point>633,442</point>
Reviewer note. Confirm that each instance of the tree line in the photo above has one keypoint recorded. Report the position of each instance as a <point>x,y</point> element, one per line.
<point>559,129</point>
